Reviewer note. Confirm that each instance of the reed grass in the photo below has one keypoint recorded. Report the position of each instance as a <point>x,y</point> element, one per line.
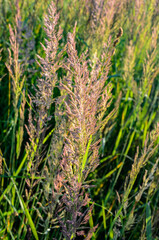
<point>79,130</point>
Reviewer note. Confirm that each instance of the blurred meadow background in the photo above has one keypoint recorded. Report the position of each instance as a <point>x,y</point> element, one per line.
<point>79,119</point>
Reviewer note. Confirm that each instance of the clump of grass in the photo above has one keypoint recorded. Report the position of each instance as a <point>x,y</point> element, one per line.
<point>79,141</point>
<point>86,100</point>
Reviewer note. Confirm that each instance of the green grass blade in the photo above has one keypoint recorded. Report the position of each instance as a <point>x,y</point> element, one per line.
<point>103,213</point>
<point>25,209</point>
<point>30,219</point>
<point>17,172</point>
<point>86,155</point>
<point>148,222</point>
<point>48,135</point>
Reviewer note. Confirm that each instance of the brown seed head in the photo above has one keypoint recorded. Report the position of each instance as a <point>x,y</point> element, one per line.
<point>115,42</point>
<point>120,32</point>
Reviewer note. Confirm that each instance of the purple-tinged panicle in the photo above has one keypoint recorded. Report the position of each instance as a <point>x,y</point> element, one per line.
<point>50,64</point>
<point>86,101</point>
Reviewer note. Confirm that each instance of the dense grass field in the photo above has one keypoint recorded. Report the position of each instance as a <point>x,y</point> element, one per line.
<point>79,119</point>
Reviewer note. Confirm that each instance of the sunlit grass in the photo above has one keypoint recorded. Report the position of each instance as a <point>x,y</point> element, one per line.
<point>68,146</point>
